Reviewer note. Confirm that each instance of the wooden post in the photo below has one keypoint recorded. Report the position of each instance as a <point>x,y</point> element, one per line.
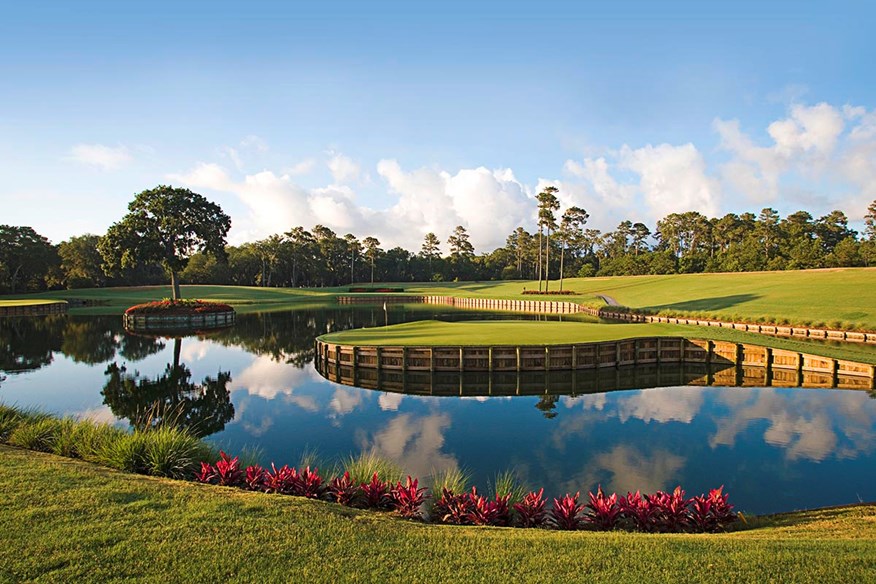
<point>547,357</point>
<point>431,359</point>
<point>490,362</point>
<point>518,368</point>
<point>461,366</point>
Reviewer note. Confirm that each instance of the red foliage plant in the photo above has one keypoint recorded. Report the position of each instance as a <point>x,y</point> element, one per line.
<point>228,471</point>
<point>603,511</point>
<point>408,498</point>
<point>670,510</point>
<point>530,511</point>
<point>711,512</point>
<point>180,307</point>
<point>255,478</point>
<point>376,494</point>
<point>207,474</point>
<point>279,480</point>
<point>343,490</point>
<point>453,509</point>
<point>307,483</point>
<point>566,512</point>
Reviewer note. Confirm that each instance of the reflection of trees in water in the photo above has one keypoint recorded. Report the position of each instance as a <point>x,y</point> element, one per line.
<point>547,405</point>
<point>27,343</point>
<point>170,398</point>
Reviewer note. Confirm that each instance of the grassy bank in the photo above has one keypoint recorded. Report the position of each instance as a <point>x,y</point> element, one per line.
<point>66,520</point>
<point>498,333</point>
<point>838,298</point>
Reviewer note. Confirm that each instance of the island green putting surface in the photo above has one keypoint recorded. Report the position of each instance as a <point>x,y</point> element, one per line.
<point>432,333</point>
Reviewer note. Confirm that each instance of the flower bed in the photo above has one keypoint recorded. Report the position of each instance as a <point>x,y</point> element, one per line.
<point>551,293</point>
<point>656,513</point>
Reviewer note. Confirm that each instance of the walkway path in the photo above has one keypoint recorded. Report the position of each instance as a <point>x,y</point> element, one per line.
<point>609,300</point>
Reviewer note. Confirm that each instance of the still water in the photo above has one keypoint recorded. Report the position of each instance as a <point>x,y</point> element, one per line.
<point>255,386</point>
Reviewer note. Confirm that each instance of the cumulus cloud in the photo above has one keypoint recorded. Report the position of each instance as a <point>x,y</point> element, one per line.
<point>344,169</point>
<point>100,156</point>
<point>489,204</point>
<point>669,179</point>
<point>820,143</point>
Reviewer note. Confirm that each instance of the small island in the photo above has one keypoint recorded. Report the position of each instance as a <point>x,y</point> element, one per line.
<point>178,315</point>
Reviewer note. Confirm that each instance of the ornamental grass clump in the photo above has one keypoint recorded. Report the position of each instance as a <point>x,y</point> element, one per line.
<point>40,434</point>
<point>171,452</point>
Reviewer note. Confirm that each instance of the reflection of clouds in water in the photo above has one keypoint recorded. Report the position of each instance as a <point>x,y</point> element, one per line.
<point>414,443</point>
<point>662,404</point>
<point>344,401</point>
<point>193,350</point>
<point>810,424</point>
<point>625,468</point>
<point>665,404</point>
<point>592,401</point>
<point>266,378</point>
<point>258,430</point>
<point>100,415</point>
<point>389,402</point>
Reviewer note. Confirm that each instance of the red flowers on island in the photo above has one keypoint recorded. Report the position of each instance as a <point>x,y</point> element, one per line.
<point>660,512</point>
<point>179,307</point>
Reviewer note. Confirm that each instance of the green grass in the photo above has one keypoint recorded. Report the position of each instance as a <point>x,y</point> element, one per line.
<point>28,302</point>
<point>837,298</point>
<point>841,298</point>
<point>517,332</point>
<point>63,520</point>
<point>243,298</point>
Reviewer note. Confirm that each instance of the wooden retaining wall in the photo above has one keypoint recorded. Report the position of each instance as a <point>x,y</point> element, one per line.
<point>163,322</point>
<point>752,365</point>
<point>765,329</point>
<point>34,309</point>
<point>551,307</point>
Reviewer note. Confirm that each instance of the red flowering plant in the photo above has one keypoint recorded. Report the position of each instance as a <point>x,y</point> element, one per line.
<point>179,307</point>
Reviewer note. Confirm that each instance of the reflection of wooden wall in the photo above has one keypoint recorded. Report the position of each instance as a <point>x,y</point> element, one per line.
<point>734,363</point>
<point>34,309</point>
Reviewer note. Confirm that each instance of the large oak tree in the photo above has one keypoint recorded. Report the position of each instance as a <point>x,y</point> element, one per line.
<point>166,225</point>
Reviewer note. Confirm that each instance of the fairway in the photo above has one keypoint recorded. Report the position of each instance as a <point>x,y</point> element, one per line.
<point>844,298</point>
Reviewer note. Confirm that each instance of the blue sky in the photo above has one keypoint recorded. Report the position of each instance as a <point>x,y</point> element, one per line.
<point>398,118</point>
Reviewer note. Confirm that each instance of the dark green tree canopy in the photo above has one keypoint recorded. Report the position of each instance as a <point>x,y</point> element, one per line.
<point>166,225</point>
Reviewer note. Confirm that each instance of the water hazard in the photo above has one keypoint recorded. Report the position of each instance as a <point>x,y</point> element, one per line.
<point>255,385</point>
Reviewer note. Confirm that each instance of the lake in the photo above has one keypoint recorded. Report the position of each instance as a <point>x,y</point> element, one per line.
<point>255,386</point>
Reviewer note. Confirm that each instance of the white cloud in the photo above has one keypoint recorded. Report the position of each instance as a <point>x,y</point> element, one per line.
<point>672,179</point>
<point>389,402</point>
<point>100,156</point>
<point>344,169</point>
<point>303,167</point>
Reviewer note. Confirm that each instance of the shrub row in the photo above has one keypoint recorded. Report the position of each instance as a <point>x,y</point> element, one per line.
<point>659,512</point>
<point>377,290</point>
<point>551,293</point>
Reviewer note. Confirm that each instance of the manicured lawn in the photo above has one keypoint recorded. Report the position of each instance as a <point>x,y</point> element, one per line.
<point>28,302</point>
<point>839,297</point>
<point>516,332</point>
<point>63,520</point>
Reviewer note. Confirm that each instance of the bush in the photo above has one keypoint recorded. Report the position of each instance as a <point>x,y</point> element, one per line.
<point>171,452</point>
<point>127,452</point>
<point>39,435</point>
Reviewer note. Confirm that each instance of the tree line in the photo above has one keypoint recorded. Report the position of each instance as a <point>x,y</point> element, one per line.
<point>188,245</point>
